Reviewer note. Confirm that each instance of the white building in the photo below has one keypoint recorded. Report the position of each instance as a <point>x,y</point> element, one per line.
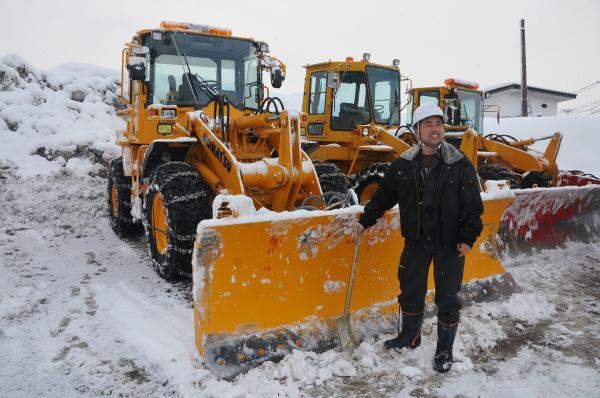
<point>542,101</point>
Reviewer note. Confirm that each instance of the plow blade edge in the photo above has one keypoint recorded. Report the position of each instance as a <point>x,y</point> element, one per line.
<point>550,218</point>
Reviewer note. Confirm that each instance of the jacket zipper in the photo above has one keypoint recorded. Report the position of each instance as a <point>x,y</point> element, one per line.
<point>418,203</point>
<point>438,198</point>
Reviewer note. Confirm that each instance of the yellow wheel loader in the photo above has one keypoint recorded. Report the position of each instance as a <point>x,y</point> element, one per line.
<point>353,118</point>
<point>497,156</point>
<point>197,127</point>
<point>212,169</point>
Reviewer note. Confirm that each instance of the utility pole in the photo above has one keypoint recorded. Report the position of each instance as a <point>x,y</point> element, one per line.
<point>524,94</point>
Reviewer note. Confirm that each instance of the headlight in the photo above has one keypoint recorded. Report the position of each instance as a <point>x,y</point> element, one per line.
<point>168,114</point>
<point>164,129</point>
<point>365,131</point>
<point>315,128</point>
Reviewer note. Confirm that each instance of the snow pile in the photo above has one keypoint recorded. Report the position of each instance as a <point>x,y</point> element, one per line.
<point>239,205</point>
<point>497,190</point>
<point>47,118</point>
<point>527,307</point>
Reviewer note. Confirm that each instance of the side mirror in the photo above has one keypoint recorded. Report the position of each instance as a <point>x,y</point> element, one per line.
<point>137,68</point>
<point>277,78</point>
<point>452,104</point>
<point>333,80</point>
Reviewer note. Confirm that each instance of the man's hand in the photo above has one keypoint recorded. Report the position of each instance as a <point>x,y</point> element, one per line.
<point>463,249</point>
<point>358,229</point>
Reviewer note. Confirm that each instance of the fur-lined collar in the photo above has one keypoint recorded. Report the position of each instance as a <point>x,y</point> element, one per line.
<point>450,155</point>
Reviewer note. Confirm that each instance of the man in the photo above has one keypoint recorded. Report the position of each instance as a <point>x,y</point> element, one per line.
<point>437,191</point>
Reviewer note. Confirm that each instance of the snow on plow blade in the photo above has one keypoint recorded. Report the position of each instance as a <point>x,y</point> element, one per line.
<point>264,287</point>
<point>548,218</point>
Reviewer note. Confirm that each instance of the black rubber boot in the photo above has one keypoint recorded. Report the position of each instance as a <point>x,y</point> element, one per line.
<point>410,335</point>
<point>442,362</point>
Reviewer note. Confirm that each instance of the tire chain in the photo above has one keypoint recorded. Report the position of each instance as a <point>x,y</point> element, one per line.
<point>374,170</point>
<point>331,176</point>
<point>164,182</point>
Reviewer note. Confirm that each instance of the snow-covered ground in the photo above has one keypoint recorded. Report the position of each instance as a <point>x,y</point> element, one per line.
<point>82,313</point>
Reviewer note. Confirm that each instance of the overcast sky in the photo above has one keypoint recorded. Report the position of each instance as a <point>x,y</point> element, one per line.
<point>470,39</point>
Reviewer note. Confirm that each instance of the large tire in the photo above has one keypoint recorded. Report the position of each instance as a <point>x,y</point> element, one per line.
<point>119,201</point>
<point>367,181</point>
<point>496,172</point>
<point>331,178</point>
<point>177,199</point>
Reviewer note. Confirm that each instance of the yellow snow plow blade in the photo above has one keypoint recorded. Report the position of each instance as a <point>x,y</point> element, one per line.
<point>266,285</point>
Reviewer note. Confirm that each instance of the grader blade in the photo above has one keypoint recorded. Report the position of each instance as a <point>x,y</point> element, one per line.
<point>550,218</point>
<point>270,284</point>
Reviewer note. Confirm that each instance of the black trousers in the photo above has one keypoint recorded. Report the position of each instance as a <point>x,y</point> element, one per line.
<point>447,272</point>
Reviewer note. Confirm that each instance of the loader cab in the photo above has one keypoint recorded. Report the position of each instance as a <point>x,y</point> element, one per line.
<point>460,100</point>
<point>186,68</point>
<point>181,67</point>
<point>340,96</point>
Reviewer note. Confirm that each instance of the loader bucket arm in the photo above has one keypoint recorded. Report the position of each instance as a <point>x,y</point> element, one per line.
<point>551,153</point>
<point>469,146</point>
<point>386,138</point>
<point>518,159</point>
<point>284,181</point>
<point>269,284</point>
<point>213,159</point>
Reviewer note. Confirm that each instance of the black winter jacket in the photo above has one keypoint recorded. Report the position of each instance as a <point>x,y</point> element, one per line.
<point>458,203</point>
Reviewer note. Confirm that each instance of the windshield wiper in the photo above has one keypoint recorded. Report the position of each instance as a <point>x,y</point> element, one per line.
<point>396,110</point>
<point>210,91</point>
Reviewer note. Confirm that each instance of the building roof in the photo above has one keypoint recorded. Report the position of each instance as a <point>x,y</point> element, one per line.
<point>498,88</point>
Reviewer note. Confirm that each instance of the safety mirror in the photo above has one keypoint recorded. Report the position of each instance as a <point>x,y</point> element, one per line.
<point>333,80</point>
<point>277,78</point>
<point>137,68</point>
<point>451,103</point>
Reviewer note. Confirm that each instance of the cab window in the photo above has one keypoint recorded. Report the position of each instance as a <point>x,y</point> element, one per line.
<point>318,88</point>
<point>350,103</point>
<point>426,97</point>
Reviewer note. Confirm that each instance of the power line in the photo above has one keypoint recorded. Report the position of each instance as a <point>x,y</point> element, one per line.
<point>589,86</point>
<point>589,107</point>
